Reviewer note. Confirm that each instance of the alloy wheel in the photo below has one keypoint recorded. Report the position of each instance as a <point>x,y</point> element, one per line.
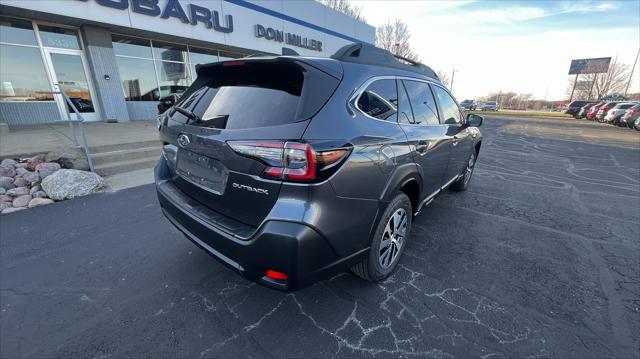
<point>393,238</point>
<point>469,169</point>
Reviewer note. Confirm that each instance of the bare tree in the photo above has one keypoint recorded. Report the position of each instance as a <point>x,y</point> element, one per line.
<point>394,36</point>
<point>597,86</point>
<point>345,7</point>
<point>444,78</point>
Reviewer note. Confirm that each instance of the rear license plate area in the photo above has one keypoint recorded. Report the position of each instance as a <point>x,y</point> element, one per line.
<point>202,171</point>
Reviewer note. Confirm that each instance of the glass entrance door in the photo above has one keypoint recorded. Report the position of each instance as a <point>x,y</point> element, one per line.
<point>68,69</point>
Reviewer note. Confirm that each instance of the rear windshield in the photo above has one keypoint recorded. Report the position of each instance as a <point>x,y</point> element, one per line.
<point>242,96</point>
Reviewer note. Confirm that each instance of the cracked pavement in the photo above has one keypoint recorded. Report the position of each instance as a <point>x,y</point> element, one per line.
<point>538,259</point>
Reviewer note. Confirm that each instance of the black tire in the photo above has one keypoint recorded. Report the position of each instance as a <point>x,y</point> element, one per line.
<point>371,268</point>
<point>463,183</point>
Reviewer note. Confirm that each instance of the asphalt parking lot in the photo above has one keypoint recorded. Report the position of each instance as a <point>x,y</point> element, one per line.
<point>540,258</point>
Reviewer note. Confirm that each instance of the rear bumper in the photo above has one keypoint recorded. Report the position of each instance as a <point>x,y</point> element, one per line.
<point>293,248</point>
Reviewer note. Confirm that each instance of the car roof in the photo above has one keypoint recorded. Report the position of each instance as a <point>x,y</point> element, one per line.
<point>367,54</point>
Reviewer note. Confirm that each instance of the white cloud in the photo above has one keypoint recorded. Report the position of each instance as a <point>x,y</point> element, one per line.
<point>491,51</point>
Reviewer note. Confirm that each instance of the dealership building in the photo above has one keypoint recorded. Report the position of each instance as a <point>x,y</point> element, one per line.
<point>116,58</point>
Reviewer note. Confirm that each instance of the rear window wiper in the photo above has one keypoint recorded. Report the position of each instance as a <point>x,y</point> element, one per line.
<point>190,115</point>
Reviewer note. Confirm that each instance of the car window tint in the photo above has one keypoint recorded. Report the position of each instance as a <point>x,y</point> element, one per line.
<point>450,111</point>
<point>380,100</point>
<point>405,115</point>
<point>422,102</point>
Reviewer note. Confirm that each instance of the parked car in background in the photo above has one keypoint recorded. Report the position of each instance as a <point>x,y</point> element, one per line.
<point>469,105</point>
<point>489,106</point>
<point>574,107</point>
<point>613,115</point>
<point>602,111</point>
<point>583,111</point>
<point>630,117</point>
<point>593,110</point>
<point>636,124</point>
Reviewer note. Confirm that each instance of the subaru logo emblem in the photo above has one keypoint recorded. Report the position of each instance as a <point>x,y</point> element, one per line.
<point>183,140</point>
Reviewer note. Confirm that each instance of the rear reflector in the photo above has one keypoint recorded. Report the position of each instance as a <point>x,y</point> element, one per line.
<point>274,274</point>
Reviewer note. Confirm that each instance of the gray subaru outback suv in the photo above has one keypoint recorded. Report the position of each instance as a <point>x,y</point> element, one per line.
<point>291,169</point>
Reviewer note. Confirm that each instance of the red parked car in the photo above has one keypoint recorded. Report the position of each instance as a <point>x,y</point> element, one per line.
<point>591,114</point>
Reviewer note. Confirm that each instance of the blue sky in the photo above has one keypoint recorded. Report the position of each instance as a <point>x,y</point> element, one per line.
<point>523,46</point>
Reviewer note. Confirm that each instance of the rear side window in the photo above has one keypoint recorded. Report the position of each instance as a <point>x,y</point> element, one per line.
<point>380,100</point>
<point>422,102</point>
<point>450,111</point>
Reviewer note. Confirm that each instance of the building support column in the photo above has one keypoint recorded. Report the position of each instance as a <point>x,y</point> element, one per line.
<point>104,72</point>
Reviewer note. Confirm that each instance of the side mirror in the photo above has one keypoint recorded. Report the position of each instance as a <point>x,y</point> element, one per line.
<point>474,120</point>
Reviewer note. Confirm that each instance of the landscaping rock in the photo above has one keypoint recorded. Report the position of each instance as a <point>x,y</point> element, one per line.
<point>34,161</point>
<point>7,171</point>
<point>20,182</point>
<point>47,168</point>
<point>12,209</point>
<point>8,162</point>
<point>39,194</point>
<point>6,182</point>
<point>21,165</point>
<point>18,191</point>
<point>69,183</point>
<point>71,158</point>
<point>22,201</point>
<point>6,198</point>
<point>21,170</point>
<point>4,205</point>
<point>34,189</point>
<point>31,176</point>
<point>39,202</point>
<point>2,190</point>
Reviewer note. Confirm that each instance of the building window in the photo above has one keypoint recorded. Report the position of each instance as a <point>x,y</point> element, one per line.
<point>138,77</point>
<point>131,46</point>
<point>22,73</point>
<point>152,69</point>
<point>59,37</point>
<point>16,31</point>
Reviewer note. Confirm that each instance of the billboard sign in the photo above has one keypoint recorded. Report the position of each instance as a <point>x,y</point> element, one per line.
<point>589,66</point>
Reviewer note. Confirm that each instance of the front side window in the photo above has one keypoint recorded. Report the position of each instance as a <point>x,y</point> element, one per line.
<point>424,106</point>
<point>448,106</point>
<point>380,100</point>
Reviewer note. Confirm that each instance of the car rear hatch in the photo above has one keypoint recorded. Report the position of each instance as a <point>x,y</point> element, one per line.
<point>264,101</point>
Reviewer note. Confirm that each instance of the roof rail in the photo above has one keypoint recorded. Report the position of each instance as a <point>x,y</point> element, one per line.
<point>371,55</point>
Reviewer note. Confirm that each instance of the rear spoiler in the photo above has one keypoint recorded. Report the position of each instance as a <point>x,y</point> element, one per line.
<point>329,66</point>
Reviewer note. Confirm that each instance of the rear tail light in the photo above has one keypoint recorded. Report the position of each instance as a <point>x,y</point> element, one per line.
<point>290,161</point>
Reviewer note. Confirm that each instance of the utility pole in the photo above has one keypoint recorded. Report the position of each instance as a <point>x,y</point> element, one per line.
<point>631,75</point>
<point>574,87</point>
<point>453,74</point>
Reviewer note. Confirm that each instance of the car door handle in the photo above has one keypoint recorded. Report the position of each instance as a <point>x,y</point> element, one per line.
<point>422,146</point>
